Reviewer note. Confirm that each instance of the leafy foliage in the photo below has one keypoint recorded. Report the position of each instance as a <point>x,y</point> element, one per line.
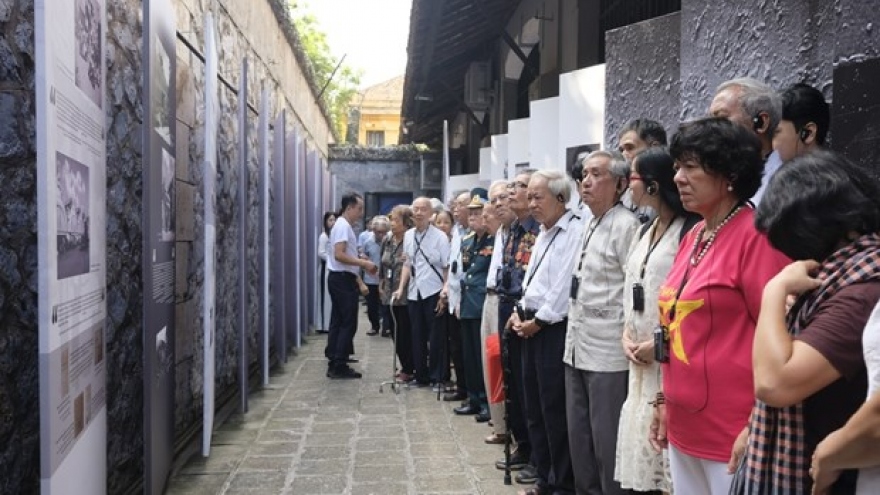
<point>343,86</point>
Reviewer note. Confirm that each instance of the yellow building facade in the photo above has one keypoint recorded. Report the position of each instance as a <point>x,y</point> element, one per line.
<point>380,114</point>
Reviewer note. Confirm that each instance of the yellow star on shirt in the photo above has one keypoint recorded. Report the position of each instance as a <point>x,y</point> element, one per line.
<point>682,310</point>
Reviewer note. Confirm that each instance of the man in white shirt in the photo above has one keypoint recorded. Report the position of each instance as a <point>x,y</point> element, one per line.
<point>757,107</point>
<point>452,292</point>
<point>596,370</point>
<point>344,266</point>
<point>541,320</point>
<point>427,251</point>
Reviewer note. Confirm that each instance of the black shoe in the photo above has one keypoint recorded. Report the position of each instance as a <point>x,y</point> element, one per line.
<point>321,330</point>
<point>343,373</point>
<point>466,410</point>
<point>482,417</point>
<point>386,334</point>
<point>527,476</point>
<point>454,396</point>
<point>517,462</point>
<point>352,360</point>
<point>373,332</point>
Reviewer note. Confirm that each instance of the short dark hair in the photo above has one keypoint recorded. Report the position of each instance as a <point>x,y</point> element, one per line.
<point>802,104</point>
<point>648,130</point>
<point>349,200</point>
<point>655,165</point>
<point>576,167</point>
<point>814,202</point>
<point>722,148</point>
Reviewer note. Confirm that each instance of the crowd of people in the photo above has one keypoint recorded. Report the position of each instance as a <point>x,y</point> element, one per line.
<point>696,315</point>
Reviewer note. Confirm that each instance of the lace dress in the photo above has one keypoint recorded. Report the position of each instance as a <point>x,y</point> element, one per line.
<point>638,466</point>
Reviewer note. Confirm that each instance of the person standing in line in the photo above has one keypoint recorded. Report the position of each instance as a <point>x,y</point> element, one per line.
<point>637,465</point>
<point>452,294</point>
<point>323,254</point>
<point>439,341</point>
<point>342,281</point>
<point>517,254</point>
<point>476,254</point>
<point>427,251</point>
<point>804,123</point>
<point>397,316</point>
<point>373,252</point>
<point>596,371</point>
<point>541,320</point>
<point>489,333</point>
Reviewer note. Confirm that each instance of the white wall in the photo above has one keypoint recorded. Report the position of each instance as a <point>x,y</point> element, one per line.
<point>499,156</point>
<point>517,145</point>
<point>581,109</point>
<point>544,135</point>
<point>486,163</point>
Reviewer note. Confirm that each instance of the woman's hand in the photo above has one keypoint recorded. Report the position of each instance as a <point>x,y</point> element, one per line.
<point>739,448</point>
<point>657,431</point>
<point>644,352</point>
<point>798,277</point>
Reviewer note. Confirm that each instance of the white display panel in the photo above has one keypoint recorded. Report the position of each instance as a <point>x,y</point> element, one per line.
<point>499,157</point>
<point>518,156</point>
<point>544,134</point>
<point>581,110</point>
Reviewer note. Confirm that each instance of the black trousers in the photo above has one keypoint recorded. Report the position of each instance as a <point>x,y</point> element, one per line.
<point>545,407</point>
<point>473,362</point>
<point>516,415</point>
<point>343,316</point>
<point>374,307</point>
<point>421,316</point>
<point>439,348</point>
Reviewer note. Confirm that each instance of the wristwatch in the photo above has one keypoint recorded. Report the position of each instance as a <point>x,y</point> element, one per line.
<point>541,323</point>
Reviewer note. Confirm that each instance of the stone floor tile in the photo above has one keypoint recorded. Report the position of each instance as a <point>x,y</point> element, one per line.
<point>377,474</point>
<point>321,453</point>
<point>315,485</point>
<point>275,448</point>
<point>266,463</point>
<point>380,489</point>
<point>257,483</point>
<point>196,484</point>
<point>308,467</point>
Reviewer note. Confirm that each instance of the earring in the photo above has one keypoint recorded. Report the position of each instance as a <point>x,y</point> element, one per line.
<point>729,187</point>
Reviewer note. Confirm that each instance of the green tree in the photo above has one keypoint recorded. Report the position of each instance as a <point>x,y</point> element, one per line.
<point>339,87</point>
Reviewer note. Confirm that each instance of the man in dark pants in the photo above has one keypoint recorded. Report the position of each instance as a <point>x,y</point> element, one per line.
<point>515,260</point>
<point>427,251</point>
<point>544,311</point>
<point>344,265</point>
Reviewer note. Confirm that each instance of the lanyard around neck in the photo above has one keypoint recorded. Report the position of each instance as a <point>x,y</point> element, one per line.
<point>653,245</point>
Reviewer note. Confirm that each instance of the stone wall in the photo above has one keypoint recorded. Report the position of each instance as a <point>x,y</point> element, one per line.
<point>642,74</point>
<point>375,170</point>
<point>254,30</point>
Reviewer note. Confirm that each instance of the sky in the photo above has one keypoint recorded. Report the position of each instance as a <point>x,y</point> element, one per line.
<point>372,34</point>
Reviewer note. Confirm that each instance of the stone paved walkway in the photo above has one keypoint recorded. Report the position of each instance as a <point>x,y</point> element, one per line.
<point>306,434</point>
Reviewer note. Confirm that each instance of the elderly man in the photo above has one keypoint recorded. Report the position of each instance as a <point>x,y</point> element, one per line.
<point>516,256</point>
<point>452,293</point>
<point>498,205</point>
<point>757,107</point>
<point>596,370</point>
<point>541,321</point>
<point>427,252</point>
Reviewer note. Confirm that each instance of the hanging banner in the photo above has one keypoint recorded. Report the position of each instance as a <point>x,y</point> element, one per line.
<point>243,260</point>
<point>212,107</point>
<point>265,180</point>
<point>160,116</point>
<point>71,225</point>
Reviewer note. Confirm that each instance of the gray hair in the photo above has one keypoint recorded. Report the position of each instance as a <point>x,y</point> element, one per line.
<point>618,166</point>
<point>557,182</point>
<point>755,98</point>
<point>381,222</point>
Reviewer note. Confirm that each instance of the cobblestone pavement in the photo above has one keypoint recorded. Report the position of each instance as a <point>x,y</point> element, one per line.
<point>306,434</point>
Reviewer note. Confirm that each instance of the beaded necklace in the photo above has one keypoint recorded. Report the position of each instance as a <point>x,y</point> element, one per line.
<point>695,260</point>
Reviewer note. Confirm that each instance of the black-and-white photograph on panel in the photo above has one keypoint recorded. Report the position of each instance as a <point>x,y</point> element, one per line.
<point>72,212</point>
<point>161,85</point>
<point>166,231</point>
<point>574,155</point>
<point>89,51</point>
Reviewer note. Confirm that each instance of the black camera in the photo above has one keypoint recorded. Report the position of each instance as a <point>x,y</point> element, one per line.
<point>454,267</point>
<point>575,285</point>
<point>638,297</point>
<point>521,313</point>
<point>661,344</point>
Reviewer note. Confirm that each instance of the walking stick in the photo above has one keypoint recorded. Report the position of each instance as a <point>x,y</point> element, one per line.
<point>504,335</point>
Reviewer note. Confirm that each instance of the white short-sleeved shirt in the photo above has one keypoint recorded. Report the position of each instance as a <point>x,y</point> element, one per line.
<point>342,232</point>
<point>428,253</point>
<point>869,478</point>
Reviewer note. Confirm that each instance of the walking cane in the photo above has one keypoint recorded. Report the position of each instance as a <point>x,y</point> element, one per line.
<point>504,335</point>
<point>394,383</point>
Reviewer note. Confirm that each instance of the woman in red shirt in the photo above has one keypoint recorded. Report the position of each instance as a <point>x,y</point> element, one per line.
<point>709,305</point>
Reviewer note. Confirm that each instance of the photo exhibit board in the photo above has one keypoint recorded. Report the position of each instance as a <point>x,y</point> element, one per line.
<point>70,40</point>
<point>265,181</point>
<point>499,156</point>
<point>290,268</point>
<point>279,181</point>
<point>581,111</point>
<point>544,134</point>
<point>517,146</point>
<point>160,83</point>
<point>311,225</point>
<point>209,171</point>
<point>486,163</point>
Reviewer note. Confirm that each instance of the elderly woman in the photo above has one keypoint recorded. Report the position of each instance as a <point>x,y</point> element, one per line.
<point>323,252</point>
<point>400,220</point>
<point>596,369</point>
<point>709,305</point>
<point>373,251</point>
<point>637,466</point>
<point>824,212</point>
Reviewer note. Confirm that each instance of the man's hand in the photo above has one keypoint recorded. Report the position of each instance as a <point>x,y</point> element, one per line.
<point>822,473</point>
<point>657,431</point>
<point>739,448</point>
<point>370,267</point>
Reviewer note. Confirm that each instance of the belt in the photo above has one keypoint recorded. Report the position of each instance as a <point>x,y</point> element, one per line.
<point>349,274</point>
<point>530,315</point>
